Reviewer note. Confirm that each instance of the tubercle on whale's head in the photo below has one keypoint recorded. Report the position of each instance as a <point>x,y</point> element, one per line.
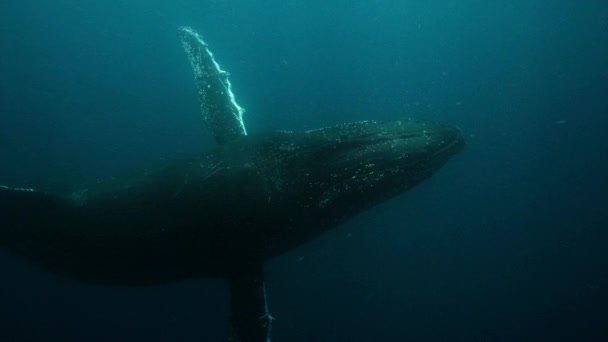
<point>330,174</point>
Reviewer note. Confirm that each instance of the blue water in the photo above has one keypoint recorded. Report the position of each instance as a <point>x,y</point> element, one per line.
<point>506,243</point>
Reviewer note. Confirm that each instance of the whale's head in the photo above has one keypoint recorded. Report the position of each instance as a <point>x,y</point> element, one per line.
<point>353,166</point>
<point>315,180</point>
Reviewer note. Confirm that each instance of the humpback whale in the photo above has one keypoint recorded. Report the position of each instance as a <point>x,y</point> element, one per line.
<point>226,211</point>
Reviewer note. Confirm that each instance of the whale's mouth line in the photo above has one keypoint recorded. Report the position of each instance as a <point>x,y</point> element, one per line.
<point>456,143</point>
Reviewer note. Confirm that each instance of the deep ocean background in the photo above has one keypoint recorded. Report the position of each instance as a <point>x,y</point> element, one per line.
<point>508,242</point>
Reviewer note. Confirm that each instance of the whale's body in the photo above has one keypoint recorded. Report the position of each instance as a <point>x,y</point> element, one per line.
<point>223,213</point>
<point>251,199</point>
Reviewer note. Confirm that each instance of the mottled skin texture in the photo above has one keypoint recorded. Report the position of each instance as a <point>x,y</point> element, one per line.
<point>212,215</point>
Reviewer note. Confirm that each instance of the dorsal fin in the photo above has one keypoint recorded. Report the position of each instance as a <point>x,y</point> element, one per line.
<point>222,115</point>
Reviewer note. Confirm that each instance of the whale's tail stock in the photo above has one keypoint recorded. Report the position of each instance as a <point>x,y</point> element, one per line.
<point>25,210</point>
<point>28,222</point>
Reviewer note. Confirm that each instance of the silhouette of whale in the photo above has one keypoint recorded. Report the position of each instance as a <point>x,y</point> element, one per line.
<point>224,212</point>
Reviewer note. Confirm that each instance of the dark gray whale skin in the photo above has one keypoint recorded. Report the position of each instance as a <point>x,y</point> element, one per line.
<point>212,215</point>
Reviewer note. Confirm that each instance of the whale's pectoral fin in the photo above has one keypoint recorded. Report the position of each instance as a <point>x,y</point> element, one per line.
<point>222,115</point>
<point>251,320</point>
